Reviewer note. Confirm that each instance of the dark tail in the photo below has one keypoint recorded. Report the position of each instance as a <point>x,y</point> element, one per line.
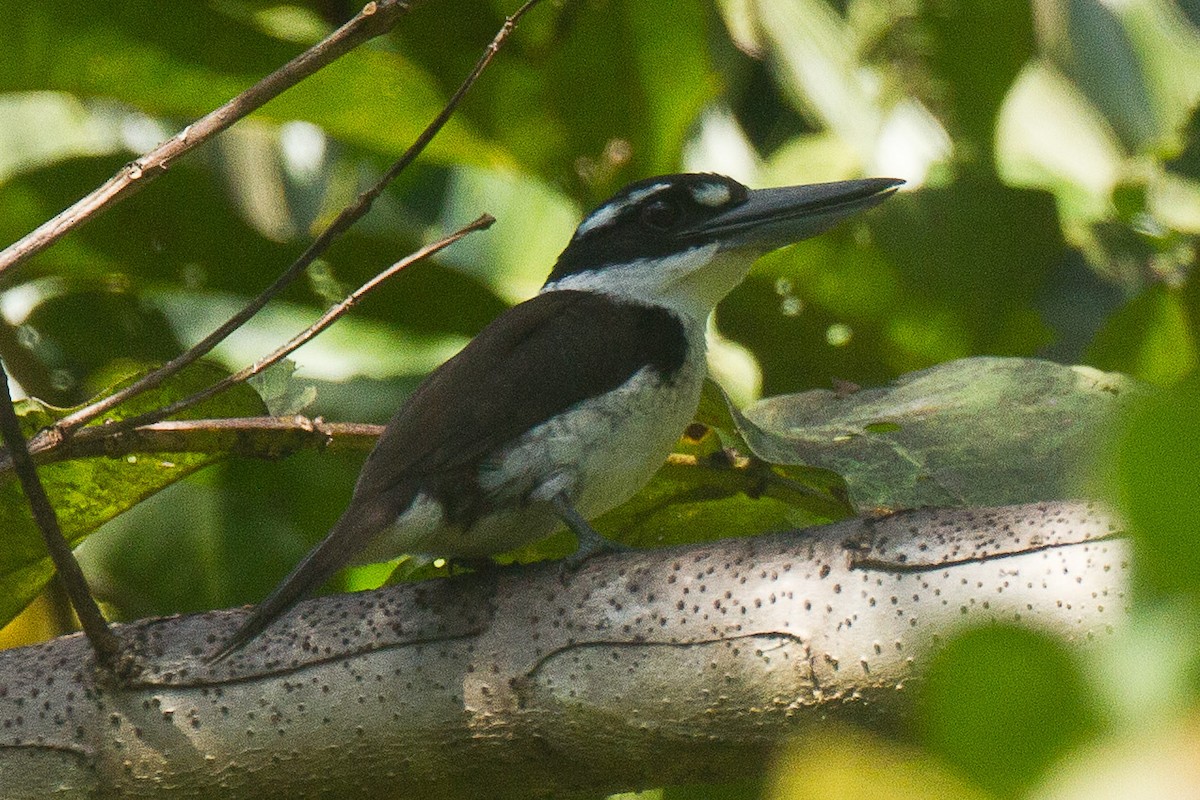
<point>334,552</point>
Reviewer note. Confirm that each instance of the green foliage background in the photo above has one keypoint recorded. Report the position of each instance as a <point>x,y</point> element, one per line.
<point>1052,150</point>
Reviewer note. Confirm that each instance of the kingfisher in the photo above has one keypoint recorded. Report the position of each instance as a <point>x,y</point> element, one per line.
<point>565,405</point>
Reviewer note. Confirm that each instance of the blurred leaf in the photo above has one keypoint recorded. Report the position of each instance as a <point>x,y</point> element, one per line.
<point>1002,704</point>
<point>165,233</point>
<point>1157,484</point>
<point>976,51</point>
<point>42,127</point>
<point>816,55</point>
<point>1049,136</point>
<point>841,764</point>
<point>88,492</point>
<point>353,347</point>
<point>1156,761</point>
<point>1090,45</point>
<point>1191,9</point>
<point>1153,337</point>
<point>150,57</point>
<point>533,225</point>
<point>785,310</point>
<point>692,504</point>
<point>74,343</point>
<point>1169,51</point>
<point>933,275</point>
<point>1187,161</point>
<point>750,789</point>
<point>973,256</point>
<point>980,431</point>
<point>591,95</point>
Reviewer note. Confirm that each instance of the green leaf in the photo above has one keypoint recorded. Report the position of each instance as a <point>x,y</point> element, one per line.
<point>930,276</point>
<point>1002,704</point>
<point>1153,337</point>
<point>976,51</point>
<point>979,431</point>
<point>87,492</point>
<point>1092,45</point>
<point>686,503</point>
<point>816,55</point>
<point>1157,485</point>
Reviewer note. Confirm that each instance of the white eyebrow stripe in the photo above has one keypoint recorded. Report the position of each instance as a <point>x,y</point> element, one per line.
<point>713,195</point>
<point>608,213</point>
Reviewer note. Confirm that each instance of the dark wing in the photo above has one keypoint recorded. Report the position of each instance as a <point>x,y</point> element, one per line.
<point>533,361</point>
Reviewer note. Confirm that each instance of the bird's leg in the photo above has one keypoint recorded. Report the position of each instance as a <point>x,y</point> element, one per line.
<point>591,541</point>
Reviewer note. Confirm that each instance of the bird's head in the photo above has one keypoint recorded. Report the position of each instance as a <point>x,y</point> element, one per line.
<point>684,241</point>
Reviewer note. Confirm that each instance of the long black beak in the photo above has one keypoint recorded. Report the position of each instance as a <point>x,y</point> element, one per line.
<point>771,218</point>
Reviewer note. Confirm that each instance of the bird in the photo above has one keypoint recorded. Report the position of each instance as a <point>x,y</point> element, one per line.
<point>565,405</point>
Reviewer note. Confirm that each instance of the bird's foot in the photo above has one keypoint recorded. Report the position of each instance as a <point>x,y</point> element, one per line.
<point>593,543</point>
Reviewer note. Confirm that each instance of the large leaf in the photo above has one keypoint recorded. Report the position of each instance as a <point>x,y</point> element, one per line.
<point>88,492</point>
<point>978,431</point>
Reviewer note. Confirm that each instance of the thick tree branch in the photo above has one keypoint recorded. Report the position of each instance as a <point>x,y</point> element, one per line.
<point>375,19</point>
<point>650,668</point>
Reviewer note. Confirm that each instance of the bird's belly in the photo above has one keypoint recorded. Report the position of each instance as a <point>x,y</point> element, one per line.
<point>604,450</point>
<point>599,454</point>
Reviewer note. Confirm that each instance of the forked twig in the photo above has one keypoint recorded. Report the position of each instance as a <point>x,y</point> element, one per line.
<point>327,319</point>
<point>66,426</point>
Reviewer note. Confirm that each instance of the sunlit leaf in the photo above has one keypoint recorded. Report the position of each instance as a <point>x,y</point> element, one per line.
<point>815,51</point>
<point>88,492</point>
<point>150,57</point>
<point>1090,45</point>
<point>842,764</point>
<point>976,51</point>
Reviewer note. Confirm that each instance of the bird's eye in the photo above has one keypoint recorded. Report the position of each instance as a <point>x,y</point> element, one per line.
<point>660,215</point>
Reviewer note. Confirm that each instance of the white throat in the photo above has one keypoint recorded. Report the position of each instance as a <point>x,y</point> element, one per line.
<point>690,283</point>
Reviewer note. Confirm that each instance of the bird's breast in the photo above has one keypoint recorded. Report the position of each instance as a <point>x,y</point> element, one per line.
<point>605,448</point>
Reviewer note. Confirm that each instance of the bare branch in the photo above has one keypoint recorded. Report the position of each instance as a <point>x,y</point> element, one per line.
<point>375,19</point>
<point>104,643</point>
<point>327,319</point>
<point>349,215</point>
<point>252,437</point>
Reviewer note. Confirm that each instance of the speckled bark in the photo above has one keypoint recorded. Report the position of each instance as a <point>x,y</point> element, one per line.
<point>648,668</point>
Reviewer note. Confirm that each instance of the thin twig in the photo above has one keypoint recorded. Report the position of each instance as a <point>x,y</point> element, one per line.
<point>104,642</point>
<point>327,319</point>
<point>252,437</point>
<point>375,19</point>
<point>69,424</point>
